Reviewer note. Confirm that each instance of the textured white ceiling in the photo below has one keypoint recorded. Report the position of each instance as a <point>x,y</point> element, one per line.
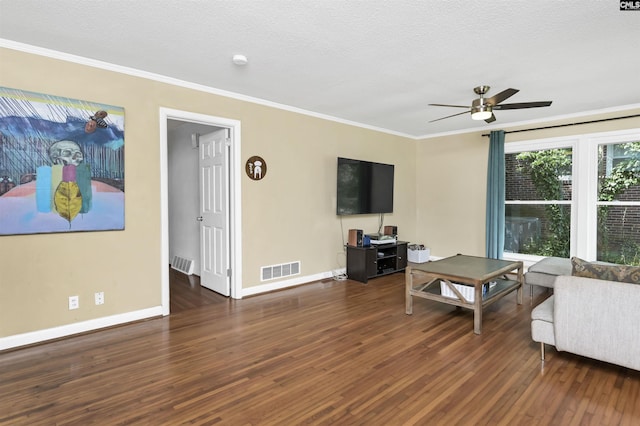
<point>374,62</point>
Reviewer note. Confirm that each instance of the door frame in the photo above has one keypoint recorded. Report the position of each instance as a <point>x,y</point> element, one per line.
<point>235,198</point>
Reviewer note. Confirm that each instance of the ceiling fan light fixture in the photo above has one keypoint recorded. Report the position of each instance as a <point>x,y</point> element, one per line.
<point>481,112</point>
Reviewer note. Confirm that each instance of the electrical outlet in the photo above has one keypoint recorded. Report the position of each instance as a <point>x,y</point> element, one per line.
<point>74,302</point>
<point>99,298</point>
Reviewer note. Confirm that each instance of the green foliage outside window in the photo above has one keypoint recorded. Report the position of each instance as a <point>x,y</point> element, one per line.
<point>545,169</point>
<point>623,176</point>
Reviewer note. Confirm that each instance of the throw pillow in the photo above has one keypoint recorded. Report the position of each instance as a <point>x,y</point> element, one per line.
<point>602,271</point>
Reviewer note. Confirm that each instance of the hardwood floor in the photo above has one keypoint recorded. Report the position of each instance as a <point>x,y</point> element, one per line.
<point>324,353</point>
<point>185,293</point>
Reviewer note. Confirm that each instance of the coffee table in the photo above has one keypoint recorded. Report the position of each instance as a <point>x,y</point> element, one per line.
<point>426,281</point>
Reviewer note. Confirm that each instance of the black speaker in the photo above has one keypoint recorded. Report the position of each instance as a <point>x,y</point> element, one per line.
<point>355,237</point>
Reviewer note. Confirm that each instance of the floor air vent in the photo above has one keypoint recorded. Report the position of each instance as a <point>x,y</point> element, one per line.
<point>182,264</point>
<point>280,271</point>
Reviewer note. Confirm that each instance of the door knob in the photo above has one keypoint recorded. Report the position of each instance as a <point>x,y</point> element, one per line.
<point>199,218</point>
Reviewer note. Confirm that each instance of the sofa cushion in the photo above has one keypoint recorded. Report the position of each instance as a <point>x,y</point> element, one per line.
<point>602,271</point>
<point>544,272</point>
<point>542,328</point>
<point>544,311</point>
<point>552,266</point>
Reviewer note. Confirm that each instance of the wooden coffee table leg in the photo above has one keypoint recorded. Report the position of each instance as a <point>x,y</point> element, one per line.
<point>477,310</point>
<point>408,285</point>
<point>520,289</point>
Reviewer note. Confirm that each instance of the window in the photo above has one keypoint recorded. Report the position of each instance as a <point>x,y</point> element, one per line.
<point>576,196</point>
<point>538,202</point>
<point>618,217</point>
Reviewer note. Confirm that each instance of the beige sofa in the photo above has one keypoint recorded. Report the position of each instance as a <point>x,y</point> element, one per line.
<point>545,272</point>
<point>594,318</point>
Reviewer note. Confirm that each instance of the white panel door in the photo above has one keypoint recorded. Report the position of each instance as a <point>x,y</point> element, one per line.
<point>214,201</point>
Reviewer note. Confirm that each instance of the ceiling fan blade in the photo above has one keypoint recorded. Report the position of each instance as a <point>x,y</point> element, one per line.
<point>449,116</point>
<point>501,97</point>
<point>453,106</point>
<point>491,119</point>
<point>523,105</point>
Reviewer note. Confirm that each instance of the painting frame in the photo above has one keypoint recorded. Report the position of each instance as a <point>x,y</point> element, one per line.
<point>62,164</point>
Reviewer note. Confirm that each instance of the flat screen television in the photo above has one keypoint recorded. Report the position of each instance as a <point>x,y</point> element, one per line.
<point>364,187</point>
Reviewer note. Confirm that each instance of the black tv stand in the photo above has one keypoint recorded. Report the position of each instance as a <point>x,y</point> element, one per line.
<point>364,263</point>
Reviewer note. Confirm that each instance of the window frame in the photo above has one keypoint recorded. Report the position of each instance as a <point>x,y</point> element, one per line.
<point>584,186</point>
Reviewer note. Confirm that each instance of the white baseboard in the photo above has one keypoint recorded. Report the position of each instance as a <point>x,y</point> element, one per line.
<point>252,291</point>
<point>75,328</point>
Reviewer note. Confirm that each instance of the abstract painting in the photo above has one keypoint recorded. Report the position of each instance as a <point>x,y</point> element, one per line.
<point>61,164</point>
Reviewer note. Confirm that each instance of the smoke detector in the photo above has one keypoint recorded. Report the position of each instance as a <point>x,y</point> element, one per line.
<point>240,60</point>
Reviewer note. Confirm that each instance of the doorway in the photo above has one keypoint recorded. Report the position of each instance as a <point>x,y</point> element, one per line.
<point>232,128</point>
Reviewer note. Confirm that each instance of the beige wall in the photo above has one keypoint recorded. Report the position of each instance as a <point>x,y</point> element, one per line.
<point>451,181</point>
<point>288,216</point>
<point>451,187</point>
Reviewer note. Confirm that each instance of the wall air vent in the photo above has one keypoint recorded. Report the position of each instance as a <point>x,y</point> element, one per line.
<point>182,264</point>
<point>279,271</point>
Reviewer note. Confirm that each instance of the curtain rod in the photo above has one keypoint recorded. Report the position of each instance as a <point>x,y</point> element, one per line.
<point>568,124</point>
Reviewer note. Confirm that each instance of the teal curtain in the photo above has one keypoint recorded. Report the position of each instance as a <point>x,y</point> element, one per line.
<point>495,196</point>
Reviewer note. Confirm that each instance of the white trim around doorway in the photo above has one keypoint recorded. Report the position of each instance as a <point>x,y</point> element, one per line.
<point>235,231</point>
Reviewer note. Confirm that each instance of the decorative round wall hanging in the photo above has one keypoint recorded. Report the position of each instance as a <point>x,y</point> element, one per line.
<point>256,167</point>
